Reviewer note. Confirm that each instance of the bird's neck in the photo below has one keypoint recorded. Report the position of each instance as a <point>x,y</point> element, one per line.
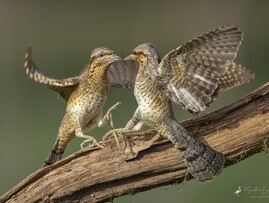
<point>147,69</point>
<point>98,74</point>
<point>143,80</point>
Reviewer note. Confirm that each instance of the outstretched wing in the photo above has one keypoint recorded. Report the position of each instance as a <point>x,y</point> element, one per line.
<point>123,73</point>
<point>64,87</point>
<point>191,73</point>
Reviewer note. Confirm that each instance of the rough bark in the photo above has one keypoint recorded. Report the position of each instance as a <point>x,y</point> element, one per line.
<point>92,175</point>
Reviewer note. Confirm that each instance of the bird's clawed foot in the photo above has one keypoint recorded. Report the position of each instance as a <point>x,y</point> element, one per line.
<point>92,143</point>
<point>117,134</point>
<point>108,116</point>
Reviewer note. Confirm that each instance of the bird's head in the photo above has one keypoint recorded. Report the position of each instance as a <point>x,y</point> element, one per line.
<point>102,58</point>
<point>144,53</point>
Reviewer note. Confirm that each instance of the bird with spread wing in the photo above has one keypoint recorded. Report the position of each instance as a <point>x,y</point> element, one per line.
<point>191,75</point>
<point>85,95</point>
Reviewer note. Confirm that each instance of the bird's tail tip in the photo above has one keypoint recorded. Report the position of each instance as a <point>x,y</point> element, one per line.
<point>202,161</point>
<point>52,158</point>
<point>208,168</point>
<point>55,155</point>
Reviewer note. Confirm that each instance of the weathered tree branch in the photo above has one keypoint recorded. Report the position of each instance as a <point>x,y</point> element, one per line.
<point>90,175</point>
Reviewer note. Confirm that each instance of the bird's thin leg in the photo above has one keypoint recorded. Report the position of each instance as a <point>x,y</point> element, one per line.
<point>133,125</point>
<point>116,134</point>
<point>88,139</point>
<point>135,122</point>
<point>108,116</point>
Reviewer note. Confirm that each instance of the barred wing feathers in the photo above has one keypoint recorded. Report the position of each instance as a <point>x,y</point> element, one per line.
<point>120,74</point>
<point>123,73</point>
<point>192,71</point>
<point>235,75</point>
<point>64,87</point>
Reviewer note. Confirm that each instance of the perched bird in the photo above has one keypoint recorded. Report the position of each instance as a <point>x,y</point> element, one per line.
<point>85,95</point>
<point>191,75</point>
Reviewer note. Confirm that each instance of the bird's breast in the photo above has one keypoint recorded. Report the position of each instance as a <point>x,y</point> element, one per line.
<point>86,105</point>
<point>152,103</point>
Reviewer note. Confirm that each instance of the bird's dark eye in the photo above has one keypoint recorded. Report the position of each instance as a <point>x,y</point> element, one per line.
<point>101,55</point>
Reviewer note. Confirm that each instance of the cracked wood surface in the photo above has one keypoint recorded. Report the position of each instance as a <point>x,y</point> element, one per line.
<point>238,130</point>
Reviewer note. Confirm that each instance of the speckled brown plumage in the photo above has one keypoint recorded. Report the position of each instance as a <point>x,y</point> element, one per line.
<point>191,75</point>
<point>85,95</point>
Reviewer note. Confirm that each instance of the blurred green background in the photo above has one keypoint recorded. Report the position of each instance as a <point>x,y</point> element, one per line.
<point>63,34</point>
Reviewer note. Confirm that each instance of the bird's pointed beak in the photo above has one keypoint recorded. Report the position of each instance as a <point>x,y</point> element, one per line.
<point>130,57</point>
<point>114,58</point>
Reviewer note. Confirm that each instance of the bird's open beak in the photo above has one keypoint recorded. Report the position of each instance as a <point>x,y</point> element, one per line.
<point>130,57</point>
